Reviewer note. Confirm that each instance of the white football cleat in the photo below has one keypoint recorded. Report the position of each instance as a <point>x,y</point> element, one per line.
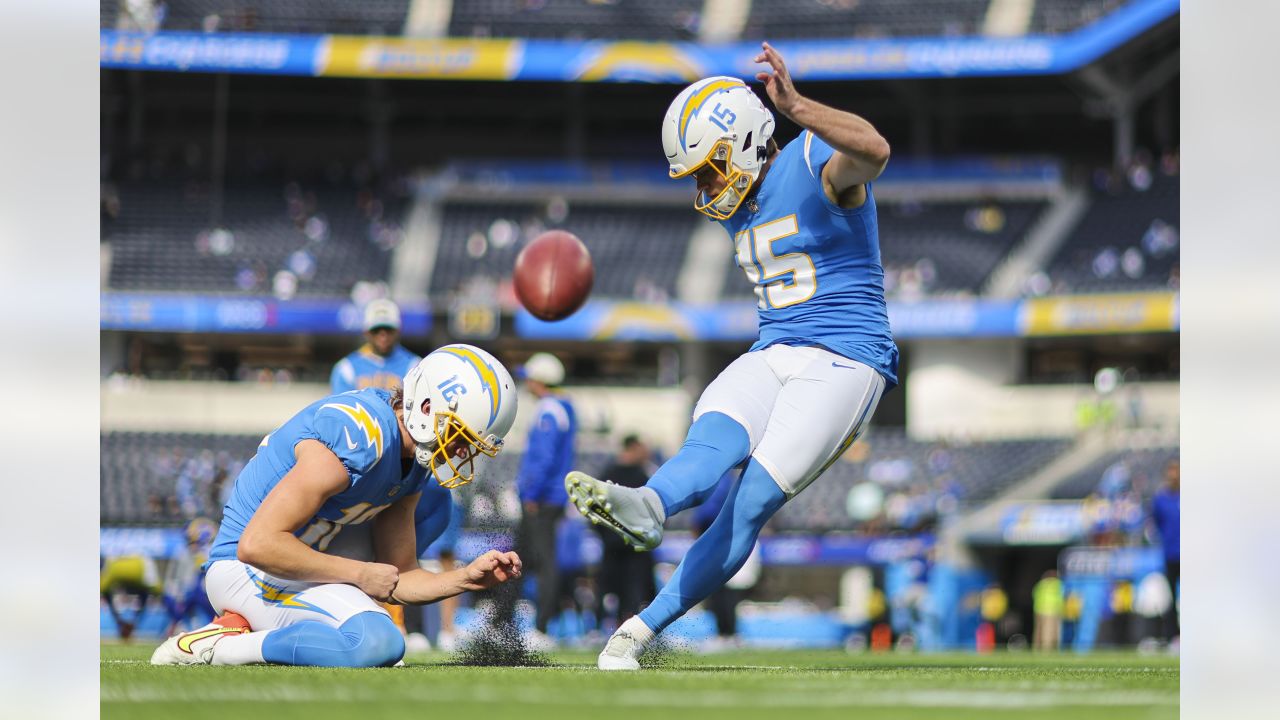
<point>622,652</point>
<point>447,641</point>
<point>635,514</point>
<point>416,643</point>
<point>195,647</point>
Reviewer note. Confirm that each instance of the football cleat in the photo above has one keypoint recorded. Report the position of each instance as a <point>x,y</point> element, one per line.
<point>622,652</point>
<point>635,514</point>
<point>196,647</point>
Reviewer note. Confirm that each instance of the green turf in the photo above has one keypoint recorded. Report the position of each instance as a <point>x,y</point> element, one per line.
<point>778,685</point>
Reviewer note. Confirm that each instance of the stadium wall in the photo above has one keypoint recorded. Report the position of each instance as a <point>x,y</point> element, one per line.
<point>965,388</point>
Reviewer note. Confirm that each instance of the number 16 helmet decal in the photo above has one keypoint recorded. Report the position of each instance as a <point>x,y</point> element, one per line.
<point>459,403</point>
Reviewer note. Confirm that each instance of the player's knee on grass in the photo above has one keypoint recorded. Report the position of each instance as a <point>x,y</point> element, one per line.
<point>377,640</point>
<point>368,639</point>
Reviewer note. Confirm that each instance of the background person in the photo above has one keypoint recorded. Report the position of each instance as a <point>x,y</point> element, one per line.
<point>381,362</point>
<point>1047,603</point>
<point>1166,513</point>
<point>625,574</point>
<point>548,457</point>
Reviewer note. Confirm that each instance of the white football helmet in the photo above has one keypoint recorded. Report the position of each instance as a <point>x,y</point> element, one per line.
<point>718,121</point>
<point>459,403</point>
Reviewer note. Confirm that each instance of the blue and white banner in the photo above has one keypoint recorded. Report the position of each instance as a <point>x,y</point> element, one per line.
<point>196,313</point>
<point>625,61</point>
<point>256,54</point>
<point>957,318</point>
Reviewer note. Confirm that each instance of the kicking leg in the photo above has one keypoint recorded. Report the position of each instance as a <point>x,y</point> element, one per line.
<point>721,551</point>
<point>716,442</point>
<point>712,560</point>
<point>729,421</point>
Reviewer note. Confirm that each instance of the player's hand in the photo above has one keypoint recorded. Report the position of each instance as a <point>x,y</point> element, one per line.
<point>491,568</point>
<point>378,580</point>
<point>778,83</point>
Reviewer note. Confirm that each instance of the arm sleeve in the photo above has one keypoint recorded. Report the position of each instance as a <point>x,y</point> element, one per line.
<point>343,377</point>
<point>539,456</point>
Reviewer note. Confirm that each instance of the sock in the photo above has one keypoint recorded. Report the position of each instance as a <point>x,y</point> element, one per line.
<point>721,550</point>
<point>715,444</point>
<point>243,649</point>
<point>636,628</point>
<point>368,639</point>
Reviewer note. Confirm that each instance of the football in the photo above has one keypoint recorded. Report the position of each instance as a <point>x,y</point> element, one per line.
<point>553,275</point>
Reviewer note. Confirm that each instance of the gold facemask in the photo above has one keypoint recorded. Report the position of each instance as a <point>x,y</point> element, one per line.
<point>737,183</point>
<point>457,447</point>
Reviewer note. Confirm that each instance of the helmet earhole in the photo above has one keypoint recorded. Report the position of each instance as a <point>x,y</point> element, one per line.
<point>426,406</point>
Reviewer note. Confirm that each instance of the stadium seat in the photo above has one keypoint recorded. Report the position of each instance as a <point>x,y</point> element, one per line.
<point>1126,241</point>
<point>367,17</point>
<point>328,237</point>
<point>864,18</point>
<point>637,252</point>
<point>1139,470</point>
<point>577,19</point>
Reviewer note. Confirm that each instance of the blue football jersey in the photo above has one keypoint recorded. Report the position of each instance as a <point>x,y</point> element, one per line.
<point>365,369</point>
<point>816,266</point>
<point>360,427</point>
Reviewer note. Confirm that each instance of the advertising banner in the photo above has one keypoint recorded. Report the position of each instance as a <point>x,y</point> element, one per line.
<point>195,313</point>
<point>437,59</point>
<point>251,53</point>
<point>1099,314</point>
<point>625,61</point>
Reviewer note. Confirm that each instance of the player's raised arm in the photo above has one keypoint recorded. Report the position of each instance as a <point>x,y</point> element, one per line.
<point>861,152</point>
<point>269,542</point>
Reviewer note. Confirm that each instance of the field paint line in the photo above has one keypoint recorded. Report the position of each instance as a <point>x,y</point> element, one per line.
<point>777,697</point>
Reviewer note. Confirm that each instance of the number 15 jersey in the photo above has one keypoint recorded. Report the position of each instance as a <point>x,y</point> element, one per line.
<point>815,265</point>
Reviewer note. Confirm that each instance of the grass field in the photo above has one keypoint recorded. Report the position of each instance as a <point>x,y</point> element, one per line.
<point>734,686</point>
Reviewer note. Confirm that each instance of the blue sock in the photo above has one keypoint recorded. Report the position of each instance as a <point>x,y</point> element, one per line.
<point>721,551</point>
<point>368,639</point>
<point>714,445</point>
